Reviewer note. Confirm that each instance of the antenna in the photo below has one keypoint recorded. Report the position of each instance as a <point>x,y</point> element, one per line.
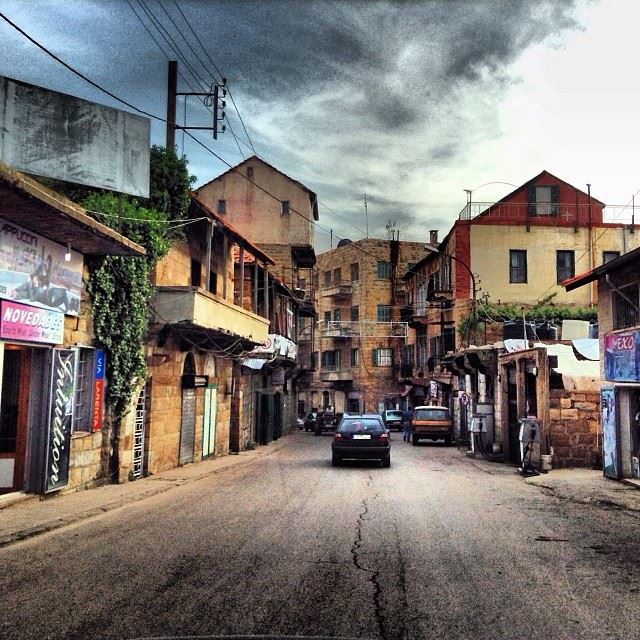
<point>366,214</point>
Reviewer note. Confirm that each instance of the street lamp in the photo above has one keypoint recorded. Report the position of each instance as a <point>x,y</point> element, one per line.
<point>432,249</point>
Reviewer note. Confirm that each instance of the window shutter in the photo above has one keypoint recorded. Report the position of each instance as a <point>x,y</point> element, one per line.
<point>532,199</point>
<point>374,357</point>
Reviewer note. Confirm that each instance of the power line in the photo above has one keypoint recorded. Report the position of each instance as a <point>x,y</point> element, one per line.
<point>195,35</point>
<point>164,120</point>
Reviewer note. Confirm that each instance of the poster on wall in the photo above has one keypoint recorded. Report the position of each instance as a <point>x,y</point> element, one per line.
<point>621,357</point>
<point>63,375</point>
<point>37,271</point>
<point>610,464</point>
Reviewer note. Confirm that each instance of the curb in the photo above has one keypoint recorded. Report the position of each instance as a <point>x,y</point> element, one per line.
<point>171,483</point>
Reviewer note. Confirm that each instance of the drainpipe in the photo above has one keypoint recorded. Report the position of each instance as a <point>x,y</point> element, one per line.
<point>591,260</point>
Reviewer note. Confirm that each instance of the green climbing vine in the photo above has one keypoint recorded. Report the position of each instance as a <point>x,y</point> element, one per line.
<point>120,289</point>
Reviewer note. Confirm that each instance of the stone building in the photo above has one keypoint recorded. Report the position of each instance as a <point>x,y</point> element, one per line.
<point>359,335</point>
<point>53,435</point>
<point>199,328</point>
<point>276,213</point>
<point>516,251</point>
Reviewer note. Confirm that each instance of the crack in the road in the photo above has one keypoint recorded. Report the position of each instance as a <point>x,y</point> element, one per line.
<point>373,574</point>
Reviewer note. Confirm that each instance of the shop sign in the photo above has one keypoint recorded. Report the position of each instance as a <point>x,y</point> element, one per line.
<point>63,375</point>
<point>37,271</point>
<point>30,324</point>
<point>98,390</point>
<point>621,357</point>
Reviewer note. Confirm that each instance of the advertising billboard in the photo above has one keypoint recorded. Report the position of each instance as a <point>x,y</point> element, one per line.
<point>36,271</point>
<point>53,134</point>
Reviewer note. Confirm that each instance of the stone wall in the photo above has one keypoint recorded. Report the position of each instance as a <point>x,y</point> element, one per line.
<point>574,428</point>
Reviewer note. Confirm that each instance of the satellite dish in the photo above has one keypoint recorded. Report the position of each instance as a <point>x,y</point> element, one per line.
<point>344,242</point>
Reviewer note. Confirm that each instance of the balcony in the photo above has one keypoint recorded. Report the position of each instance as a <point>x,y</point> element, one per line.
<point>191,307</point>
<point>336,373</point>
<point>339,291</point>
<point>363,329</point>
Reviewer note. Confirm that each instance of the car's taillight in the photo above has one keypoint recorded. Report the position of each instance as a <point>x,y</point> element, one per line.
<point>384,436</point>
<point>338,436</point>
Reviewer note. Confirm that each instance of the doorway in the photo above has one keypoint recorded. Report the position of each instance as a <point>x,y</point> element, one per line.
<point>15,363</point>
<point>512,415</point>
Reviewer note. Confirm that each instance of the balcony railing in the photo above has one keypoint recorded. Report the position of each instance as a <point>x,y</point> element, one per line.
<point>363,329</point>
<point>337,290</point>
<point>565,211</point>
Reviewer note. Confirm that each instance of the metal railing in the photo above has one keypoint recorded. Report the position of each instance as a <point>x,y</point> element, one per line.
<point>363,329</point>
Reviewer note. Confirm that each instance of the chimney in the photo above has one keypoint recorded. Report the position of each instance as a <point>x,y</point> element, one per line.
<point>433,237</point>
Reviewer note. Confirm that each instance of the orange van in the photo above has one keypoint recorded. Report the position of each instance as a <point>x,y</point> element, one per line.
<point>431,423</point>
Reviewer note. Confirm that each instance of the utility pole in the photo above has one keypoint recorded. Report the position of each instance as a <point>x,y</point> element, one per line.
<point>172,88</point>
<point>213,98</point>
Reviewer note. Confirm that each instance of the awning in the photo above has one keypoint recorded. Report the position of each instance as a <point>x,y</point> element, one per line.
<point>27,203</point>
<point>578,375</point>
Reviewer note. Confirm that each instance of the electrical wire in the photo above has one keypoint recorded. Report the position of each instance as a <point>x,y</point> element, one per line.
<point>213,64</point>
<point>164,120</point>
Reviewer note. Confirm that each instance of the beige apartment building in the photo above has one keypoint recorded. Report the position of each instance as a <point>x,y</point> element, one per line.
<point>359,336</point>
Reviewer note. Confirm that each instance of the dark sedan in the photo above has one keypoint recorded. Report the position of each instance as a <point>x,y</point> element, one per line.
<point>362,437</point>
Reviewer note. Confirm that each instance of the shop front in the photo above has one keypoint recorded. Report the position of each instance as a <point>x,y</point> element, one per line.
<point>51,377</point>
<point>620,405</point>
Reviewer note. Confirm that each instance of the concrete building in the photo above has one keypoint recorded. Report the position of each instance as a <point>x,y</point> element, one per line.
<point>53,435</point>
<point>359,335</point>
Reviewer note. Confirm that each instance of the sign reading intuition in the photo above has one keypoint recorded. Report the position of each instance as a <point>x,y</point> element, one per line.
<point>60,419</point>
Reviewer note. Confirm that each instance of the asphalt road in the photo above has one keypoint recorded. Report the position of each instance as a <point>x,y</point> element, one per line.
<point>437,546</point>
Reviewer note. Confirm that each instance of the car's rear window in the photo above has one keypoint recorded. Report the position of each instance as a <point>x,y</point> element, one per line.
<point>361,425</point>
<point>431,414</point>
<point>394,415</point>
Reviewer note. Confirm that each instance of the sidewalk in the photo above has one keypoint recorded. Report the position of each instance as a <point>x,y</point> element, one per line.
<point>584,486</point>
<point>23,516</point>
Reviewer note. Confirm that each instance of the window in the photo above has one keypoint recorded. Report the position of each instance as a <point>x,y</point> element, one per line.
<point>337,275</point>
<point>327,316</point>
<point>284,207</point>
<point>608,256</point>
<point>337,315</point>
<point>314,360</point>
<point>83,400</point>
<point>249,172</point>
<point>517,265</point>
<point>543,200</point>
<point>196,273</point>
<point>355,357</point>
<point>384,269</point>
<point>384,313</point>
<point>382,357</point>
<point>331,359</point>
<point>355,272</point>
<point>355,314</point>
<point>222,206</point>
<point>625,304</point>
<point>327,278</point>
<point>565,265</point>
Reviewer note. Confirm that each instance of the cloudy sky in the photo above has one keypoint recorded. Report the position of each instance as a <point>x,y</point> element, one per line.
<point>409,102</point>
